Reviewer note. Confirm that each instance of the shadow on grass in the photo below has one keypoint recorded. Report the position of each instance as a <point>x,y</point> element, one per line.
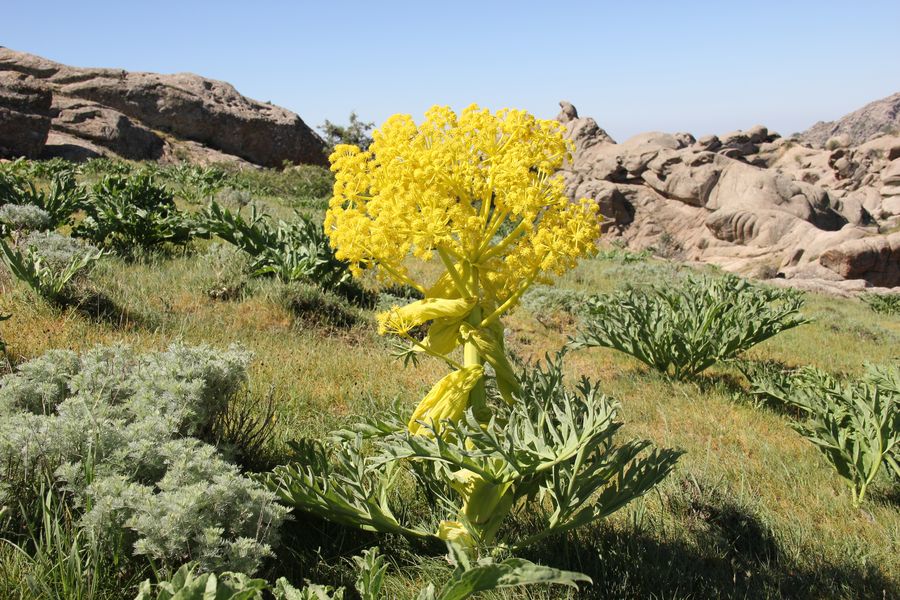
<point>320,551</point>
<point>98,307</point>
<point>731,554</point>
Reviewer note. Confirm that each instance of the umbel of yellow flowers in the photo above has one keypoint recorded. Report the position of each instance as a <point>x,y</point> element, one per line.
<point>480,193</point>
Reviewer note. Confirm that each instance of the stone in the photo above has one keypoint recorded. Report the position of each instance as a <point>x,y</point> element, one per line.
<point>25,115</point>
<point>875,259</point>
<point>105,127</point>
<point>859,126</point>
<point>183,105</point>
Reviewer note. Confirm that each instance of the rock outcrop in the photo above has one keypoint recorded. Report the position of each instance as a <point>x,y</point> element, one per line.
<point>858,127</point>
<point>24,115</point>
<point>138,115</point>
<point>748,201</point>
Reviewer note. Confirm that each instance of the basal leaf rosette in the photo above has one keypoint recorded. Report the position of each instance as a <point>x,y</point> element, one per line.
<point>480,193</point>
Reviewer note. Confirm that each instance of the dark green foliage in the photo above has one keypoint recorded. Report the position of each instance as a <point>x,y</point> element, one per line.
<point>195,183</point>
<point>356,132</point>
<point>887,304</point>
<point>552,443</point>
<point>2,343</point>
<point>683,329</point>
<point>317,307</point>
<point>290,251</point>
<point>856,424</point>
<point>132,214</point>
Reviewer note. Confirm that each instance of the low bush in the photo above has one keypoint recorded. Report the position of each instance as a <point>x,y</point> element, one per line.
<point>123,435</point>
<point>856,423</point>
<point>60,201</point>
<point>132,214</point>
<point>50,264</point>
<point>887,304</point>
<point>24,217</point>
<point>295,251</point>
<point>683,329</point>
<point>195,183</point>
<point>226,271</point>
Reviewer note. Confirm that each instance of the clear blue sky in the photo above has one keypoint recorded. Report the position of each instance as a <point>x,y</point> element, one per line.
<point>703,67</point>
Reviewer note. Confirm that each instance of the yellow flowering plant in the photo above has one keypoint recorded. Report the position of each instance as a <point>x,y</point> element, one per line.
<point>480,195</point>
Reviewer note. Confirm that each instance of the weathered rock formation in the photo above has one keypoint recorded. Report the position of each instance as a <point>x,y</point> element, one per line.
<point>148,115</point>
<point>748,201</point>
<point>858,127</point>
<point>24,116</point>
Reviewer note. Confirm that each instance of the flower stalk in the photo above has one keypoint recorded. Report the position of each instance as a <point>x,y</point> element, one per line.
<point>481,192</point>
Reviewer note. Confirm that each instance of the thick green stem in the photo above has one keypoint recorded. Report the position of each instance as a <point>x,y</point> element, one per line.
<point>471,356</point>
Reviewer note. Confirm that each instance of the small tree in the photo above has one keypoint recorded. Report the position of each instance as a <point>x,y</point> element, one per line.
<point>355,134</point>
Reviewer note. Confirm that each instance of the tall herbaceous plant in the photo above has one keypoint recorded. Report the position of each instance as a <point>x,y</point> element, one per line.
<point>479,192</point>
<point>478,195</point>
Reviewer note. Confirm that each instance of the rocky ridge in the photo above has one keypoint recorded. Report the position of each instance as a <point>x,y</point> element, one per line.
<point>749,201</point>
<point>858,127</point>
<point>79,113</point>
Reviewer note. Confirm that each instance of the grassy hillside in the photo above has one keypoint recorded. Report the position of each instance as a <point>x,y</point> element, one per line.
<point>751,511</point>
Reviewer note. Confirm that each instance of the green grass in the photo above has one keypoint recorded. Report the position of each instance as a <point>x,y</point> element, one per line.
<point>752,510</point>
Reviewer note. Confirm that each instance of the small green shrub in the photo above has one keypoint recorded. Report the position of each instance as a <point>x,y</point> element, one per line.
<point>887,304</point>
<point>196,183</point>
<point>132,214</point>
<point>295,251</point>
<point>51,274</point>
<point>856,424</point>
<point>107,166</point>
<point>551,443</point>
<point>317,307</point>
<point>226,271</point>
<point>683,329</point>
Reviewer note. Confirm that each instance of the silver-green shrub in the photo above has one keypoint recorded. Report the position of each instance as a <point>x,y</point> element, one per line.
<point>24,217</point>
<point>119,431</point>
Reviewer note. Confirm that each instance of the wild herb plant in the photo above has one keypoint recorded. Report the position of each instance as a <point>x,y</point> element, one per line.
<point>50,275</point>
<point>466,579</point>
<point>479,193</point>
<point>856,424</point>
<point>195,183</point>
<point>683,329</point>
<point>886,304</point>
<point>294,251</point>
<point>132,214</point>
<point>60,201</point>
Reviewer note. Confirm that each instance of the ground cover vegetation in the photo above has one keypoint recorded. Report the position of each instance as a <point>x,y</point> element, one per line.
<point>447,390</point>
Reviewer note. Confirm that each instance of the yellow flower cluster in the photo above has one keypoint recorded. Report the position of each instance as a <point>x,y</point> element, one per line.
<point>480,190</point>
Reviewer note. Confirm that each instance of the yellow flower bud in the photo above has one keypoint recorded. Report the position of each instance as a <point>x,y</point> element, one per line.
<point>447,400</point>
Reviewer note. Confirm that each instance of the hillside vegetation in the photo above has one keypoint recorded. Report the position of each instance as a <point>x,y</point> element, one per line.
<point>228,332</point>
